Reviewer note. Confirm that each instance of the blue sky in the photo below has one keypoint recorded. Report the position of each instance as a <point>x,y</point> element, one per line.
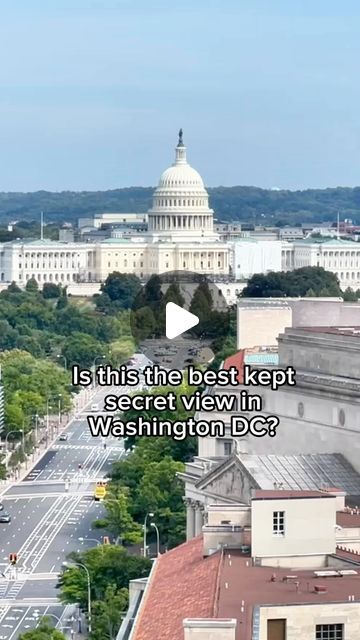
<point>93,92</point>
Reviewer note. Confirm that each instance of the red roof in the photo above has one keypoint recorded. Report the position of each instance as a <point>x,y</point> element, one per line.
<point>186,585</point>
<point>237,360</point>
<point>278,494</point>
<point>182,585</point>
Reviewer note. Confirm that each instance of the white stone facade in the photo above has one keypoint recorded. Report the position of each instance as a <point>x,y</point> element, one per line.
<point>341,257</point>
<point>45,261</point>
<point>251,256</point>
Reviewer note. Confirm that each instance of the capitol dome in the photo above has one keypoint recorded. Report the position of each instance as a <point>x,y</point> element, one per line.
<point>180,201</point>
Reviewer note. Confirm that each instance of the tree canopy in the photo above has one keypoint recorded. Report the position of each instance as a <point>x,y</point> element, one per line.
<point>45,630</point>
<point>298,283</point>
<point>229,203</point>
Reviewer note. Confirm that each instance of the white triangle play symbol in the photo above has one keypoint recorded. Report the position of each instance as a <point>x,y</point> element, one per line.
<point>178,320</point>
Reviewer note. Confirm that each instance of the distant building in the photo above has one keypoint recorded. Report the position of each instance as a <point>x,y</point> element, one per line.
<point>341,257</point>
<point>250,256</point>
<point>179,237</point>
<point>45,261</point>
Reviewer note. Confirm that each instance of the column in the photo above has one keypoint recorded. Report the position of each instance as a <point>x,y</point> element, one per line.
<point>190,519</point>
<point>199,509</point>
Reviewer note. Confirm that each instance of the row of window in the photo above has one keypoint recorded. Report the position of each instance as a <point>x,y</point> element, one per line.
<point>175,202</point>
<point>125,264</point>
<point>52,254</point>
<point>61,265</point>
<point>276,628</point>
<point>57,277</point>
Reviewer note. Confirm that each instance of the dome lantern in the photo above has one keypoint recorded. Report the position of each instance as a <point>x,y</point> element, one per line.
<point>180,201</point>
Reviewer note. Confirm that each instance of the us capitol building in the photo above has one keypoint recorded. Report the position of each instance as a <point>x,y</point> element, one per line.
<point>180,236</point>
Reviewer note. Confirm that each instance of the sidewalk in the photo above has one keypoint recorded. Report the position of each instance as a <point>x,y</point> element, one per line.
<point>80,401</point>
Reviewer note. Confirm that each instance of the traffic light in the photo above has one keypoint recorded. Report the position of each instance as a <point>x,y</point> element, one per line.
<point>13,558</point>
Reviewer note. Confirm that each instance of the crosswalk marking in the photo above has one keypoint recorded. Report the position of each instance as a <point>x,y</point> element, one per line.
<point>88,447</point>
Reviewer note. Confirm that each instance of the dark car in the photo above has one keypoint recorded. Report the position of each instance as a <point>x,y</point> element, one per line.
<point>5,517</point>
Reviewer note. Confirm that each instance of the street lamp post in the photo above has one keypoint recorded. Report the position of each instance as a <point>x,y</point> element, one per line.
<point>83,566</point>
<point>94,365</point>
<point>152,524</point>
<point>60,355</point>
<point>99,544</point>
<point>145,532</point>
<point>37,617</point>
<point>59,409</point>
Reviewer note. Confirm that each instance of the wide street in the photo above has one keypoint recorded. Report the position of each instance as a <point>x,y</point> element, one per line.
<point>51,508</point>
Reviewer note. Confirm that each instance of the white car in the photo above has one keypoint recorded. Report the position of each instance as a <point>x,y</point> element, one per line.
<point>94,406</point>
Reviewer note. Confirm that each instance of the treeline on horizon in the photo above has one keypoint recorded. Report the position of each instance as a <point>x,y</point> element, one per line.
<point>250,204</point>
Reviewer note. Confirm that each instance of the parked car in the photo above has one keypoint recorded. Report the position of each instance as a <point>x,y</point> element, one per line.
<point>5,517</point>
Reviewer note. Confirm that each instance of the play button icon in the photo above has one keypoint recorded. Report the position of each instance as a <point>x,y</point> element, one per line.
<point>178,320</point>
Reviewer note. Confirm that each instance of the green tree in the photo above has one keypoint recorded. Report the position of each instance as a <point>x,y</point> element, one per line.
<point>51,290</point>
<point>32,286</point>
<point>119,520</point>
<point>143,323</point>
<point>14,416</point>
<point>43,631</point>
<point>118,291</point>
<point>107,565</point>
<point>293,283</point>
<point>13,288</point>
<point>82,349</point>
<point>121,350</point>
<point>350,295</point>
<point>108,613</point>
<point>151,294</point>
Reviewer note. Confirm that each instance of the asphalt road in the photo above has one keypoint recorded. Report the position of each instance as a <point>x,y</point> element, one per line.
<point>51,508</point>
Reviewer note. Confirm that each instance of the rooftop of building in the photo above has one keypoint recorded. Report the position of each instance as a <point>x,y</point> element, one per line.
<point>184,584</point>
<point>348,519</point>
<point>262,358</point>
<point>340,331</point>
<point>117,241</point>
<point>302,472</point>
<point>337,242</point>
<point>240,580</point>
<point>236,360</point>
<point>283,494</point>
<point>38,242</point>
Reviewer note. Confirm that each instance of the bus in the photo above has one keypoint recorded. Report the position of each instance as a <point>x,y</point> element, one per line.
<point>100,491</point>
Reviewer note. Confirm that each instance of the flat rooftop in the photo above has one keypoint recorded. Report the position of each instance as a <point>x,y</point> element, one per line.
<point>254,586</point>
<point>349,519</point>
<point>339,331</point>
<point>184,584</point>
<point>276,494</point>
